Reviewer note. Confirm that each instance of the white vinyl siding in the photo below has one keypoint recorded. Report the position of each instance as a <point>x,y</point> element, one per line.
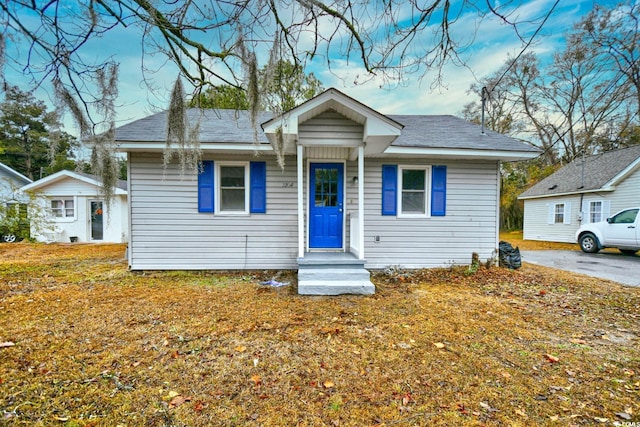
<point>168,232</point>
<point>539,219</point>
<point>468,226</point>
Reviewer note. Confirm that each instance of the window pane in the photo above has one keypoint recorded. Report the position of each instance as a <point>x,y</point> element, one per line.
<point>232,199</point>
<point>413,179</point>
<point>326,191</point>
<point>68,207</point>
<point>56,208</point>
<point>232,176</point>
<point>413,202</point>
<point>595,212</point>
<point>559,213</point>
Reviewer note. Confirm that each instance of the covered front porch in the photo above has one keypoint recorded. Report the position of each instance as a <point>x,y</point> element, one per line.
<point>328,135</point>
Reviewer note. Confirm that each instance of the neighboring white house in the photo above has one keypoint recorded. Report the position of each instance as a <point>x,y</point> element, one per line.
<point>10,198</point>
<point>10,181</point>
<point>77,210</point>
<point>385,190</point>
<point>583,191</point>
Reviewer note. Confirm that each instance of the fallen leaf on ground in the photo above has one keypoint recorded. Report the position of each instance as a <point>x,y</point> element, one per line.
<point>328,384</point>
<point>256,379</point>
<point>551,358</point>
<point>178,400</point>
<point>7,344</point>
<point>439,345</point>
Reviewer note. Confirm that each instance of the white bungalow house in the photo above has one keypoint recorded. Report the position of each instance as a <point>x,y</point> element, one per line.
<point>358,190</point>
<point>584,191</point>
<point>77,211</point>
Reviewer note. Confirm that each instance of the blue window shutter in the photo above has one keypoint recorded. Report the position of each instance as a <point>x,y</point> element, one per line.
<point>389,189</point>
<point>206,187</point>
<point>258,195</point>
<point>438,190</point>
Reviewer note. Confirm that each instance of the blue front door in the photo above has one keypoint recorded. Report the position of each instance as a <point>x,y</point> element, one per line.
<point>326,205</point>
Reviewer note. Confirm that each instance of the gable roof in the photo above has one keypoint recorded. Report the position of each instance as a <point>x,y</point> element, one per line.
<point>400,135</point>
<point>601,172</point>
<point>121,187</point>
<point>14,174</point>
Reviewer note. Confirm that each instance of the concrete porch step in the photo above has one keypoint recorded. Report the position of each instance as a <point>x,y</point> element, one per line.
<point>335,287</point>
<point>333,275</point>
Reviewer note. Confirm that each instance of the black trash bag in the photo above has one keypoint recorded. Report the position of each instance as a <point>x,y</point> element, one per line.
<point>509,256</point>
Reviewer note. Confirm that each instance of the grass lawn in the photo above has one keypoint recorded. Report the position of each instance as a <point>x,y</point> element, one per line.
<point>84,342</point>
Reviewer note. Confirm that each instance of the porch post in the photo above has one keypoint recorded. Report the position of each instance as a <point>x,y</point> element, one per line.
<point>361,200</point>
<point>300,176</point>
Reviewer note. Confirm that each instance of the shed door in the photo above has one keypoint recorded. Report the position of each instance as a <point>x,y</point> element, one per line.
<point>97,227</point>
<point>326,205</point>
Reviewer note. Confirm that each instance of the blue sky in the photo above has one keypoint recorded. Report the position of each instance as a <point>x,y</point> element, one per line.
<point>492,44</point>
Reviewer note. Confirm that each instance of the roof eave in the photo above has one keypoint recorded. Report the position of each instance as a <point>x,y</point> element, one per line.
<point>463,153</point>
<point>568,193</point>
<point>58,176</point>
<point>159,147</point>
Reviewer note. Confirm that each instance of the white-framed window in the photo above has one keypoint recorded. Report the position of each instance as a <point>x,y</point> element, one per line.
<point>559,213</point>
<point>232,188</point>
<point>63,208</point>
<point>414,186</point>
<point>595,211</point>
<point>558,216</point>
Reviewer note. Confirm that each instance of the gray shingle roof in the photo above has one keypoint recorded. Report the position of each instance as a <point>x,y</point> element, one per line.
<point>447,131</point>
<point>230,126</point>
<point>599,170</point>
<point>224,126</point>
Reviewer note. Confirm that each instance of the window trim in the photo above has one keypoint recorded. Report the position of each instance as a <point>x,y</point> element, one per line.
<point>556,214</point>
<point>591,212</point>
<point>218,188</point>
<point>427,191</point>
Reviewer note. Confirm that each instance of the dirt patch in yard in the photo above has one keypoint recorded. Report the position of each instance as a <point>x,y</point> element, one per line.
<point>84,342</point>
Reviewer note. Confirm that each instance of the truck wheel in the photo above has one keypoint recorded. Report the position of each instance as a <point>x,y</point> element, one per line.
<point>589,243</point>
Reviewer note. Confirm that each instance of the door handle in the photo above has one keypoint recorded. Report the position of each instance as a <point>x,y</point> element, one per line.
<point>340,210</point>
<point>631,226</point>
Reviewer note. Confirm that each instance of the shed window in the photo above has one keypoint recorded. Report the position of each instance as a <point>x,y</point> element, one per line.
<point>62,208</point>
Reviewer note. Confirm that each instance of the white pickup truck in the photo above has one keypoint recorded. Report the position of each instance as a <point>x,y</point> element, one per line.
<point>621,231</point>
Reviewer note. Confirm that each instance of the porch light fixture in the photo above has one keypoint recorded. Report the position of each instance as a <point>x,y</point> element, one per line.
<point>355,179</point>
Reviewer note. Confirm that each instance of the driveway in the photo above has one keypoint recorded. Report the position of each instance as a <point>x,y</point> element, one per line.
<point>620,268</point>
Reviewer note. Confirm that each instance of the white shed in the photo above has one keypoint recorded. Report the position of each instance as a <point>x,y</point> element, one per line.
<point>77,210</point>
